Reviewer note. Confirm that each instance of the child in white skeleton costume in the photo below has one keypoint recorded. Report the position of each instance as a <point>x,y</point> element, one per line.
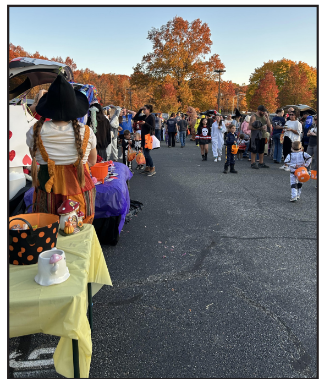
<point>294,160</point>
<point>217,137</point>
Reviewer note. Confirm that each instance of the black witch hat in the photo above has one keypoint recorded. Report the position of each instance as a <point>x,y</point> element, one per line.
<point>62,102</point>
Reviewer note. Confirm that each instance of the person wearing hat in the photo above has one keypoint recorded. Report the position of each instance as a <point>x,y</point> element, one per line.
<point>259,122</point>
<point>64,148</point>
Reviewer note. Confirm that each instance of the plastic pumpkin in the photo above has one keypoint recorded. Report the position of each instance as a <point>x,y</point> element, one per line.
<point>140,159</point>
<point>68,229</point>
<point>314,174</point>
<point>302,174</point>
<point>234,149</point>
<point>131,155</point>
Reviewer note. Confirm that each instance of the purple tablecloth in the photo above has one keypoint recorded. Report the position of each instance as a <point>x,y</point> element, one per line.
<point>112,198</point>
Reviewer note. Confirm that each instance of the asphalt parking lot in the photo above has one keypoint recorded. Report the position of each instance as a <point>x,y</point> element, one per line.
<point>215,277</point>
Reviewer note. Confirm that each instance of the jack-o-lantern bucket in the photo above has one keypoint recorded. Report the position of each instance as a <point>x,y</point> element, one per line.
<point>314,174</point>
<point>140,159</point>
<point>131,155</point>
<point>26,245</point>
<point>302,174</point>
<point>234,149</point>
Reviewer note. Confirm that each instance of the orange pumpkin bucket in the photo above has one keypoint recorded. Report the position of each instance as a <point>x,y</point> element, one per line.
<point>26,245</point>
<point>131,154</point>
<point>314,174</point>
<point>140,159</point>
<point>100,170</point>
<point>302,174</point>
<point>234,149</point>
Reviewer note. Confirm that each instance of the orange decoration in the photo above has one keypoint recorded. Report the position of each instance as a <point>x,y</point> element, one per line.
<point>15,239</point>
<point>41,234</point>
<point>20,254</point>
<point>57,235</point>
<point>48,240</point>
<point>15,262</point>
<point>11,248</point>
<point>30,257</point>
<point>23,249</point>
<point>54,230</point>
<point>49,226</point>
<point>24,235</point>
<point>52,245</point>
<point>39,249</point>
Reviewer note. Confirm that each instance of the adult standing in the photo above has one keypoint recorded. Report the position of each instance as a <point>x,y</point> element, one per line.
<point>228,120</point>
<point>182,128</point>
<point>278,123</point>
<point>178,118</point>
<point>147,123</point>
<point>293,129</point>
<point>259,122</point>
<point>313,144</point>
<point>112,150</point>
<point>192,118</point>
<point>101,128</point>
<point>217,137</point>
<point>157,126</point>
<point>247,133</point>
<point>63,147</point>
<point>306,123</point>
<point>172,130</point>
<point>125,122</point>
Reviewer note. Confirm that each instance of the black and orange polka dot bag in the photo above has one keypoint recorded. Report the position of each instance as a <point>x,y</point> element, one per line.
<point>26,245</point>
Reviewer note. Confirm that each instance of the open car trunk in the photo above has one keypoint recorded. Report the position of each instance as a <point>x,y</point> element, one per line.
<point>26,73</point>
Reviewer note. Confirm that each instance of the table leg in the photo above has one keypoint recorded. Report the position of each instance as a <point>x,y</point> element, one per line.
<point>90,304</point>
<point>75,353</point>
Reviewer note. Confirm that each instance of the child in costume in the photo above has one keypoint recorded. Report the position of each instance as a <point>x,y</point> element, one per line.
<point>126,142</point>
<point>242,147</point>
<point>136,145</point>
<point>217,137</point>
<point>203,137</point>
<point>297,158</point>
<point>230,140</point>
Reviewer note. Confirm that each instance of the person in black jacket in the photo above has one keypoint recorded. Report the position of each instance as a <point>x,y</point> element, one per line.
<point>230,140</point>
<point>147,124</point>
<point>101,127</point>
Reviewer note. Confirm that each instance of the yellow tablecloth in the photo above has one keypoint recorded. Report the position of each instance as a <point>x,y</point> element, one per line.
<point>60,310</point>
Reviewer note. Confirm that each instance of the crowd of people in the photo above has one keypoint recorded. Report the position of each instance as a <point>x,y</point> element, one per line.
<point>232,138</point>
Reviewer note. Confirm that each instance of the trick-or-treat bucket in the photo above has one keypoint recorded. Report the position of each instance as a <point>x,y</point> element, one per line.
<point>26,245</point>
<point>100,170</point>
<point>314,174</point>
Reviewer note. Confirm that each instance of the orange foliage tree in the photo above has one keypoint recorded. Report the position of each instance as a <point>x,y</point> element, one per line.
<point>266,93</point>
<point>179,51</point>
<point>280,70</point>
<point>296,89</point>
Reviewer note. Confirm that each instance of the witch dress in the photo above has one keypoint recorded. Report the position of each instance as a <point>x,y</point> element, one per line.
<point>57,183</point>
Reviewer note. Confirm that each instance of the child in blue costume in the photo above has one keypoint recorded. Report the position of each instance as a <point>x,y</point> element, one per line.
<point>230,160</point>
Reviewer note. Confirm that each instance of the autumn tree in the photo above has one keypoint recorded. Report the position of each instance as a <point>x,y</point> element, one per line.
<point>266,93</point>
<point>179,50</point>
<point>296,89</point>
<point>280,70</point>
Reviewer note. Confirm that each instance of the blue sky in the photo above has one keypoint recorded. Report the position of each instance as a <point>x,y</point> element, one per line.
<point>113,39</point>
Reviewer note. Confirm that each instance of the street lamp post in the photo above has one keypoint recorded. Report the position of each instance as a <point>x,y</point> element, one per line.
<point>219,71</point>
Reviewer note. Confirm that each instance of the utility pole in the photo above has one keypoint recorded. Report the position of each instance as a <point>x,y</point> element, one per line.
<point>130,91</point>
<point>219,71</point>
